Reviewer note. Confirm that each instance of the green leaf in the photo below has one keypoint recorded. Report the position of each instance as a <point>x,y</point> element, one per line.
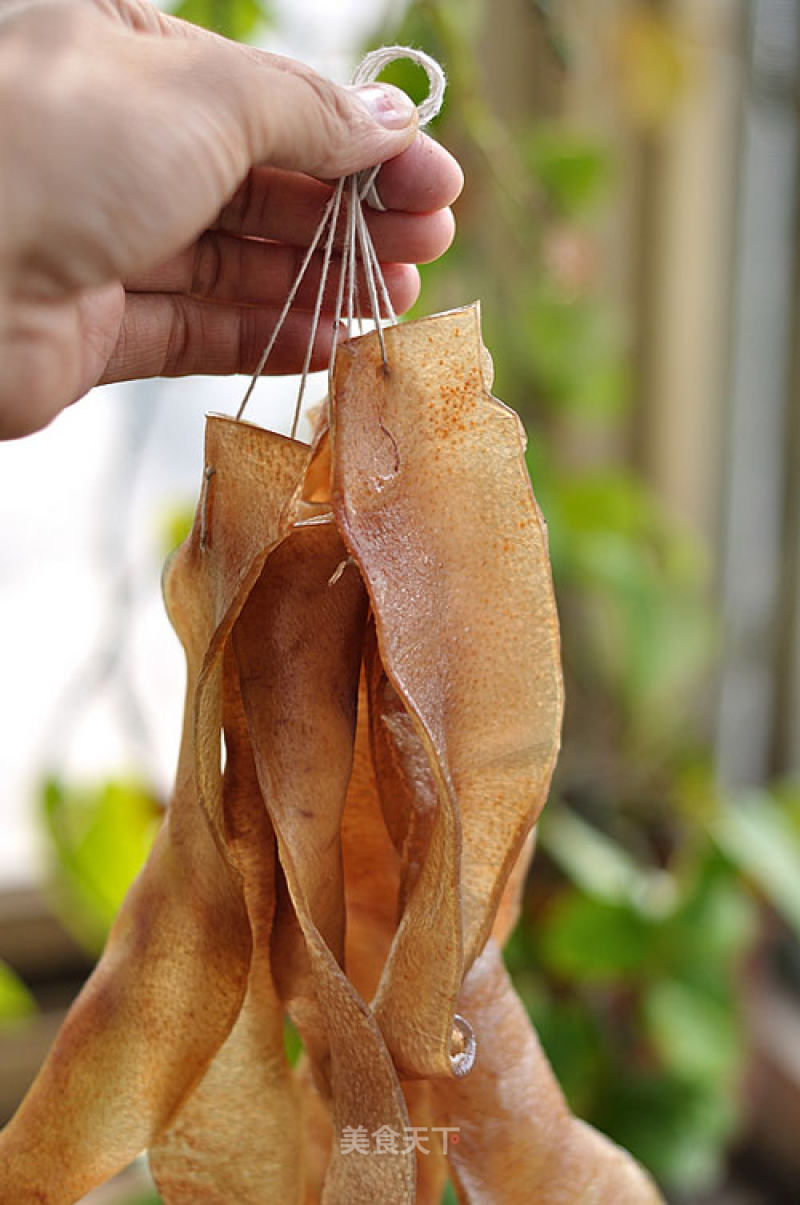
<point>449,1196</point>
<point>677,1128</point>
<point>572,352</point>
<point>238,19</point>
<point>644,623</point>
<point>100,837</point>
<point>573,169</point>
<point>576,1046</point>
<point>696,1034</point>
<point>759,836</point>
<point>716,925</point>
<point>592,941</point>
<point>609,501</point>
<point>16,1002</point>
<point>601,867</point>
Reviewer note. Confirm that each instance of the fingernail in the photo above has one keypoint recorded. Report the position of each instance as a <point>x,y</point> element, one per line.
<point>387,105</point>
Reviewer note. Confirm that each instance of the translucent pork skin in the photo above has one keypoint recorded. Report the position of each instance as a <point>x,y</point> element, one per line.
<point>431,493</point>
<point>172,978</point>
<point>372,627</point>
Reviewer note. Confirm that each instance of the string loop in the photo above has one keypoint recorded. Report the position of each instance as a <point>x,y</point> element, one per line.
<point>358,248</point>
<point>368,71</point>
<point>378,60</point>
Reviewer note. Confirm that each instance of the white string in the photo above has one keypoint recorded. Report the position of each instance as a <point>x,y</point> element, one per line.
<point>376,61</point>
<point>378,271</point>
<point>326,263</point>
<point>369,69</point>
<point>353,306</point>
<point>349,259</point>
<point>369,190</point>
<point>358,244</point>
<point>367,253</point>
<point>344,275</point>
<point>262,363</point>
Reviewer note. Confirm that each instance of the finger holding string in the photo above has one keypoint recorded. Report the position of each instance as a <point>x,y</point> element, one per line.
<point>252,253</point>
<point>422,179</point>
<point>343,224</point>
<point>197,313</point>
<point>172,335</point>
<point>211,311</point>
<point>416,189</point>
<point>56,348</point>
<point>237,271</point>
<point>53,355</point>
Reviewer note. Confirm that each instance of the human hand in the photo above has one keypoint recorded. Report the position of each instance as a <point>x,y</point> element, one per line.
<point>161,186</point>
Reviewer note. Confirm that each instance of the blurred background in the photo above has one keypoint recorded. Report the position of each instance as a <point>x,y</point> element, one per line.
<point>630,224</point>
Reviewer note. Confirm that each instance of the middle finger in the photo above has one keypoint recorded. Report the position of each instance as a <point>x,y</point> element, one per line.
<point>287,207</point>
<point>249,271</point>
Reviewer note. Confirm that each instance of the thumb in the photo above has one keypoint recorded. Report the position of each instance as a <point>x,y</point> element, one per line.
<point>303,122</point>
<point>294,118</point>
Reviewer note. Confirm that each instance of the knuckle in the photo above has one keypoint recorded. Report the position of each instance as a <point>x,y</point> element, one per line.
<point>207,267</point>
<point>137,15</point>
<point>178,349</point>
<point>250,205</point>
<point>331,118</point>
<point>251,335</point>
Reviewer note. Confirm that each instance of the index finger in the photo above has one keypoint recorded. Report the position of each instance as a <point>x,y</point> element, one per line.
<point>278,204</point>
<point>421,179</point>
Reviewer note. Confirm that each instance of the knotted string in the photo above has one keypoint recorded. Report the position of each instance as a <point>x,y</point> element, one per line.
<point>358,245</point>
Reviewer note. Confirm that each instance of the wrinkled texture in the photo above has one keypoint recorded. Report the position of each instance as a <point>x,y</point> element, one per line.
<point>172,978</point>
<point>372,717</point>
<point>212,1152</point>
<point>511,1108</point>
<point>298,649</point>
<point>430,490</point>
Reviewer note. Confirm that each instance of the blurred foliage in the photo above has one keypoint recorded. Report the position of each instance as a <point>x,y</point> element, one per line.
<point>761,835</point>
<point>239,19</point>
<point>175,525</point>
<point>570,168</point>
<point>16,1002</point>
<point>99,837</point>
<point>632,978</point>
<point>654,69</point>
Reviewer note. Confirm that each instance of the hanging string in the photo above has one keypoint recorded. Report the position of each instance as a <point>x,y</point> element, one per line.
<point>326,263</point>
<point>369,69</point>
<point>358,247</point>
<point>267,352</point>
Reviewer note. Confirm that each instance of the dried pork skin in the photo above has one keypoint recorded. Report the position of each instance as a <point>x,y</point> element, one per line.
<point>433,499</point>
